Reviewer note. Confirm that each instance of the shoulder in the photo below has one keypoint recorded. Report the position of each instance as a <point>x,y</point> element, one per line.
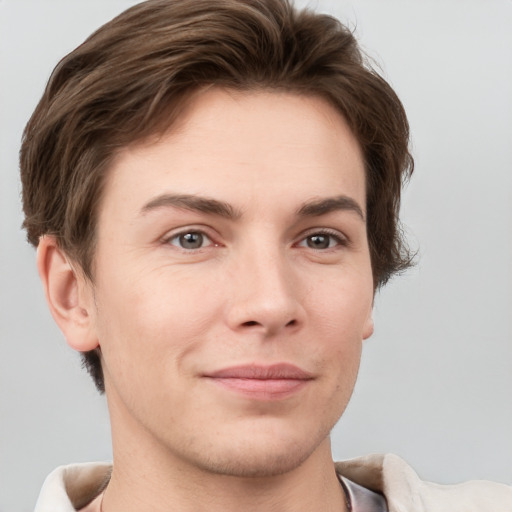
<point>405,491</point>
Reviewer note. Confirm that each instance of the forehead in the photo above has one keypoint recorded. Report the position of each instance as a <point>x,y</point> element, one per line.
<point>245,143</point>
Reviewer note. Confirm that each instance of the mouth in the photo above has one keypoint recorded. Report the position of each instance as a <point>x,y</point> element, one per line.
<point>262,382</point>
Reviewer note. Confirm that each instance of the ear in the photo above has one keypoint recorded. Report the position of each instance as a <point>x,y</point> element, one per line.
<point>368,325</point>
<point>69,295</point>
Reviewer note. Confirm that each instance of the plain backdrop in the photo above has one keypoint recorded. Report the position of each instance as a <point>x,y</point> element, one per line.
<point>435,384</point>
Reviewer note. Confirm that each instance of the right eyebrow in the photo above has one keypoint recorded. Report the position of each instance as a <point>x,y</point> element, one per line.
<point>192,202</point>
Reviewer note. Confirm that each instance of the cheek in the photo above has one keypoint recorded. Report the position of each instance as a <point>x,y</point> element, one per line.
<point>149,316</point>
<point>339,313</point>
<point>342,305</point>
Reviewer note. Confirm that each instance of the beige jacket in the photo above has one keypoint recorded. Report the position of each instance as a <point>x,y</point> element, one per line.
<point>71,487</point>
<point>405,492</point>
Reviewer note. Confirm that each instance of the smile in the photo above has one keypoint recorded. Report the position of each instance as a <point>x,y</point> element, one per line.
<point>266,383</point>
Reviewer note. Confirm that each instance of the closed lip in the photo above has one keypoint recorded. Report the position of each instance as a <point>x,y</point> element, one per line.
<point>279,371</point>
<point>267,383</point>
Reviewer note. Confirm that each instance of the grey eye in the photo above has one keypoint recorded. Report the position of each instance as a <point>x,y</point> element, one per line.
<point>191,240</point>
<point>319,241</point>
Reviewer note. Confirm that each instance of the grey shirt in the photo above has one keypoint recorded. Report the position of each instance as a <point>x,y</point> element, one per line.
<point>361,499</point>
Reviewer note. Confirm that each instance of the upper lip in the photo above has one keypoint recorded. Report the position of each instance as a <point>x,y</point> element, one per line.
<point>262,372</point>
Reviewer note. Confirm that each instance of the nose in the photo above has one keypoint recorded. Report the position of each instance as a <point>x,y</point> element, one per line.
<point>265,296</point>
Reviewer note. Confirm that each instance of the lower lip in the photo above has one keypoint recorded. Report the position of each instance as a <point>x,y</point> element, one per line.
<point>263,389</point>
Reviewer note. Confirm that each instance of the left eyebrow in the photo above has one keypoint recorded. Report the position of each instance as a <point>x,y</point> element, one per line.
<point>327,205</point>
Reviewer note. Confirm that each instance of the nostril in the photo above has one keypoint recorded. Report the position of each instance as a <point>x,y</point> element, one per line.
<point>251,323</point>
<point>254,323</point>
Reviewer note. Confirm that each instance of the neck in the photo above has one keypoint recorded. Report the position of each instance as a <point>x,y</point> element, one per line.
<point>148,487</point>
<point>146,477</point>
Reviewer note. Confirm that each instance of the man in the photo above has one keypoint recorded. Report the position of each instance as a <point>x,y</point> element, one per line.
<point>214,188</point>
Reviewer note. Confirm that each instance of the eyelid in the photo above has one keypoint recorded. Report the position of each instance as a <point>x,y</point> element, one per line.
<point>183,230</point>
<point>342,239</point>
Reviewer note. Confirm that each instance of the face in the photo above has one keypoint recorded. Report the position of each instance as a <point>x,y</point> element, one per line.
<point>233,285</point>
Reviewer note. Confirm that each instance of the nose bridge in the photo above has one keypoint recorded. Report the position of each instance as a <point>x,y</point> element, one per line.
<point>265,295</point>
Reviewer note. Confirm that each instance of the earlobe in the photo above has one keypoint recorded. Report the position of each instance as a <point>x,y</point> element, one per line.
<point>368,327</point>
<point>68,295</point>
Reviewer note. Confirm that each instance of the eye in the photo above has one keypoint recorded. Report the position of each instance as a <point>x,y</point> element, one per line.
<point>190,240</point>
<point>322,240</point>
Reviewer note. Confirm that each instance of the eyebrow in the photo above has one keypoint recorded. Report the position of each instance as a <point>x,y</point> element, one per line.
<point>194,203</point>
<point>314,208</point>
<point>328,205</point>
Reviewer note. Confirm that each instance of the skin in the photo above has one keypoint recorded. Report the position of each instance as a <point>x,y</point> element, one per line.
<point>282,275</point>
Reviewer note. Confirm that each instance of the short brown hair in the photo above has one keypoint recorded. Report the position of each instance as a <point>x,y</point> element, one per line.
<point>130,78</point>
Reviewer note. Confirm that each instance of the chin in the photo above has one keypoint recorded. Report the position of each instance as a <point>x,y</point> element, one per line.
<point>257,455</point>
<point>255,465</point>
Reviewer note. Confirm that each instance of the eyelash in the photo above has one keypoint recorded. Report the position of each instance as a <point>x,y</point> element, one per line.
<point>340,240</point>
<point>183,233</point>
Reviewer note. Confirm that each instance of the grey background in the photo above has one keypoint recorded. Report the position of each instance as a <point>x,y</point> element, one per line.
<point>436,380</point>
